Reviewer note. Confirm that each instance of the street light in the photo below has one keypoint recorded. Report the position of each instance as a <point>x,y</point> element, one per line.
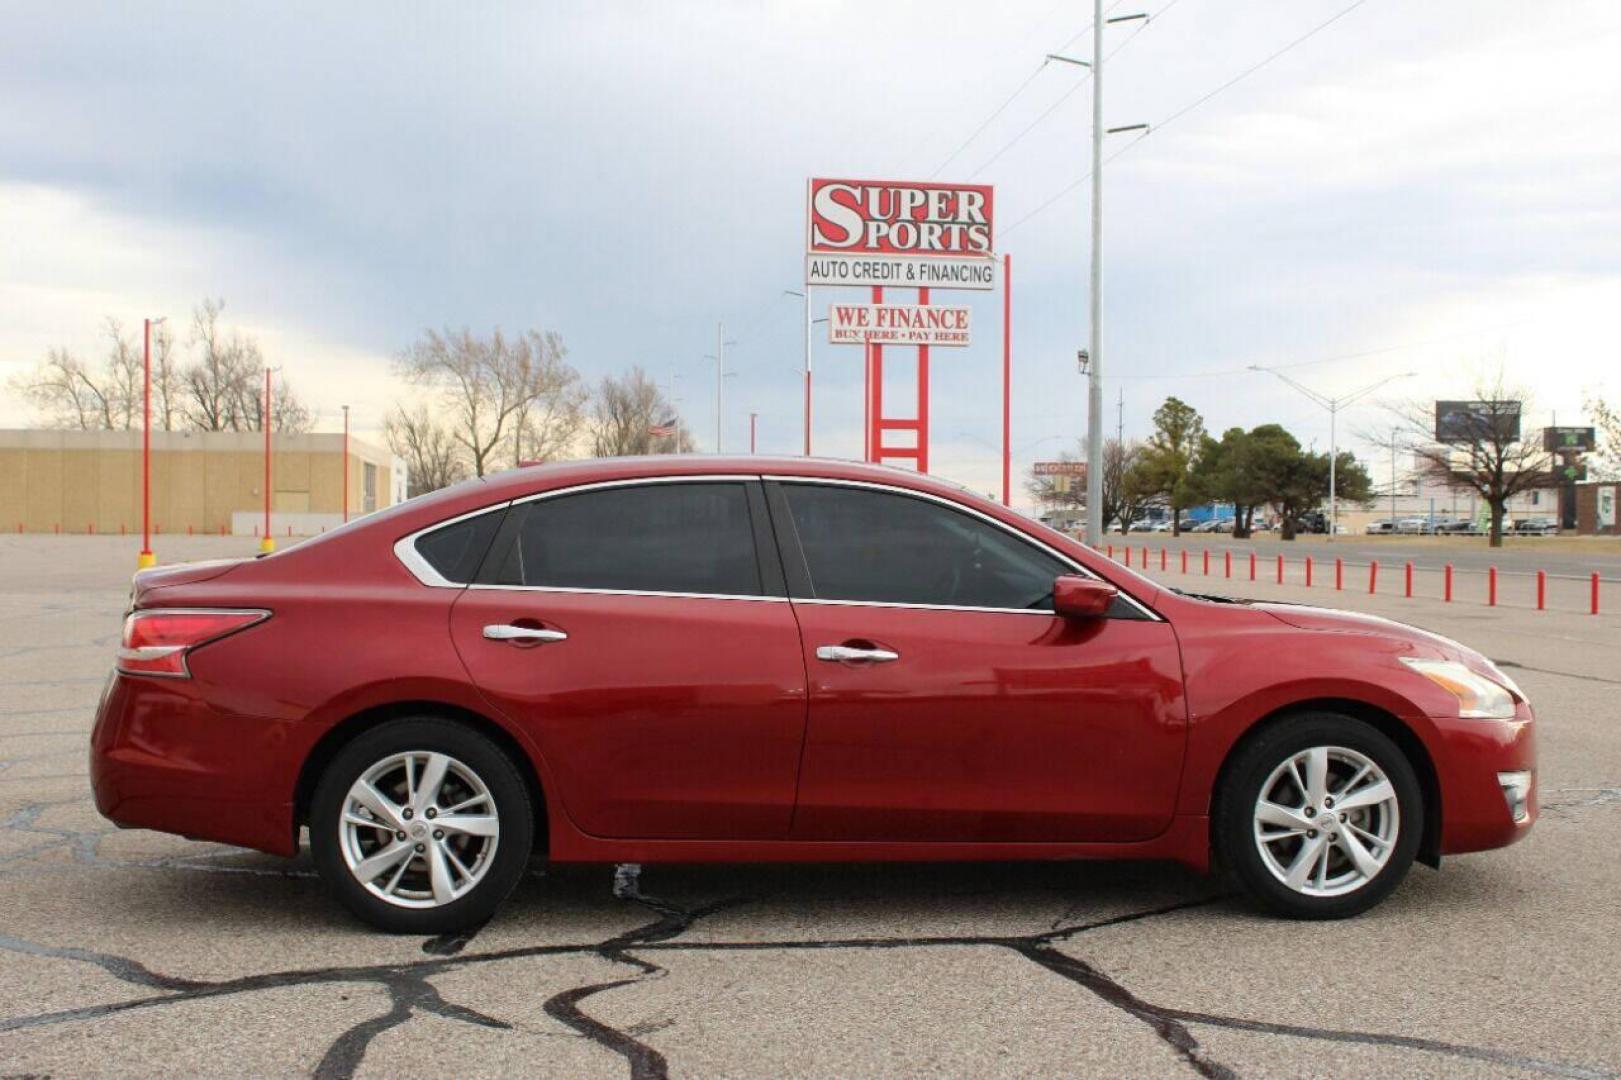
<point>719,356</point>
<point>1333,405</point>
<point>805,296</point>
<point>146,558</point>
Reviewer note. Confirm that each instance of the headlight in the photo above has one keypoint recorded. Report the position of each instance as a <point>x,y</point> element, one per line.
<point>1478,697</point>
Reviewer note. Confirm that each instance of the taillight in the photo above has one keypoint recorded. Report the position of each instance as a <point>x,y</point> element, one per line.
<point>156,642</point>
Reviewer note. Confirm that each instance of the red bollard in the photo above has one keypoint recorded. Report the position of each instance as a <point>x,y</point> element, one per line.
<point>1280,569</point>
<point>1339,574</point>
<point>1184,560</point>
<point>1227,564</point>
<point>222,530</point>
<point>1373,577</point>
<point>1145,556</point>
<point>90,529</point>
<point>1111,551</point>
<point>1125,553</point>
<point>1252,566</point>
<point>1593,608</point>
<point>1409,588</point>
<point>1162,558</point>
<point>1308,571</point>
<point>1542,589</point>
<point>1448,578</point>
<point>1207,562</point>
<point>1491,586</point>
<point>188,528</point>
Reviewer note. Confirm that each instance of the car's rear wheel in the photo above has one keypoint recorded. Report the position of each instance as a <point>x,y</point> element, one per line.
<point>421,826</point>
<point>1320,816</point>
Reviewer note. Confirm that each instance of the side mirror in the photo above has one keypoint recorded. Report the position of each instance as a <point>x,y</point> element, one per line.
<point>1077,597</point>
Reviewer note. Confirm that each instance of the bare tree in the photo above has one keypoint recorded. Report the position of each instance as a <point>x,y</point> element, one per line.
<point>123,380</point>
<point>1606,456</point>
<point>1484,452</point>
<point>223,388</point>
<point>1121,501</point>
<point>168,384</point>
<point>62,389</point>
<point>630,416</point>
<point>518,393</point>
<point>433,459</point>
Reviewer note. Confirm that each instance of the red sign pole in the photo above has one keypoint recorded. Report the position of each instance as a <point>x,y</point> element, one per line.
<point>146,558</point>
<point>1007,379</point>
<point>346,464</point>
<point>923,395</point>
<point>266,543</point>
<point>875,378</point>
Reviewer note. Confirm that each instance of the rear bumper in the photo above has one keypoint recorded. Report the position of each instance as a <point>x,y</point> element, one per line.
<point>1475,815</point>
<point>162,757</point>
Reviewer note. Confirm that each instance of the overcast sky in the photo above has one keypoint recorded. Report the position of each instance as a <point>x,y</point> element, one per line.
<point>1428,188</point>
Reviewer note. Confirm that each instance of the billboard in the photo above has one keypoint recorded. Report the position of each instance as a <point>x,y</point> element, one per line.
<point>1477,421</point>
<point>1569,440</point>
<point>1060,468</point>
<point>897,324</point>
<point>908,234</point>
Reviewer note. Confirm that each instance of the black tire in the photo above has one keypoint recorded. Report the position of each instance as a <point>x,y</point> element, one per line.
<point>492,767</point>
<point>1234,824</point>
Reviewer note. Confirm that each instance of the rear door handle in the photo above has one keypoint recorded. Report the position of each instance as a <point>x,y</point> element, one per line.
<point>533,635</point>
<point>839,654</point>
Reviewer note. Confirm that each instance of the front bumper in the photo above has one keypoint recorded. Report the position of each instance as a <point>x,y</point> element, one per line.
<point>1475,814</point>
<point>162,757</point>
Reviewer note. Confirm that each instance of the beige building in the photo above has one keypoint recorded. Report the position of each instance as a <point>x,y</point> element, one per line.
<point>79,481</point>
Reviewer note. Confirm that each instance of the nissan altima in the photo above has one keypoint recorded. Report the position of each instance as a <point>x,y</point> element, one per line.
<point>683,660</point>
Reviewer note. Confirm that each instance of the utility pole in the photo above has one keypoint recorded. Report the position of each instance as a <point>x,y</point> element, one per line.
<point>1094,389</point>
<point>1334,405</point>
<point>806,297</point>
<point>753,420</point>
<point>1120,417</point>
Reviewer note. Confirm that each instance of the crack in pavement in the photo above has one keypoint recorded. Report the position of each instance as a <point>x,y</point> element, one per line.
<point>410,991</point>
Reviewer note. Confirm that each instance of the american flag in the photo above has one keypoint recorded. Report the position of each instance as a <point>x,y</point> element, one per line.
<point>664,430</point>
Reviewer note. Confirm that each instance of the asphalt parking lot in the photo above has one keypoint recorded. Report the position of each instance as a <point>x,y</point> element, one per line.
<point>136,953</point>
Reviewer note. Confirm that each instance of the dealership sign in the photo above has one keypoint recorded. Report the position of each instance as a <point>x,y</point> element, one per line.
<point>904,234</point>
<point>1060,468</point>
<point>897,324</point>
<point>1477,422</point>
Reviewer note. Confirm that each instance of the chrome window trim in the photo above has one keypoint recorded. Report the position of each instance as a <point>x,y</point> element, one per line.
<point>628,592</point>
<point>405,549</point>
<point>952,504</point>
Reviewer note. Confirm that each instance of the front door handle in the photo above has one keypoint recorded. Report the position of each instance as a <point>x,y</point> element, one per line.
<point>840,654</point>
<point>523,635</point>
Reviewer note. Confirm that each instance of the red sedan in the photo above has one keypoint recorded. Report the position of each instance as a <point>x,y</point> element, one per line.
<point>743,659</point>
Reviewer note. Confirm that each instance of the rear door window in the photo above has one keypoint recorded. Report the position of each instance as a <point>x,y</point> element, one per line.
<point>662,538</point>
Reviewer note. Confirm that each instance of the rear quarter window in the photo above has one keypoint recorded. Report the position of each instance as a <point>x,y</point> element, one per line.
<point>455,551</point>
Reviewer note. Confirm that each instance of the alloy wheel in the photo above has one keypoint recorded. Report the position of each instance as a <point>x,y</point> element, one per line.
<point>1327,821</point>
<point>419,829</point>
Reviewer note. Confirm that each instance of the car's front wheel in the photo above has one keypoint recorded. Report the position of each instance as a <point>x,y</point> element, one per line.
<point>421,826</point>
<point>1320,816</point>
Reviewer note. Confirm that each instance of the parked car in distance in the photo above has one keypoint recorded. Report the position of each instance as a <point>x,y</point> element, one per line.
<point>1415,526</point>
<point>1383,527</point>
<point>1537,526</point>
<point>711,659</point>
<point>1460,527</point>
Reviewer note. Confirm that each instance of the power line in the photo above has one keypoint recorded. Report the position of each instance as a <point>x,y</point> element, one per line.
<point>1184,110</point>
<point>1247,72</point>
<point>987,122</point>
<point>1019,90</point>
